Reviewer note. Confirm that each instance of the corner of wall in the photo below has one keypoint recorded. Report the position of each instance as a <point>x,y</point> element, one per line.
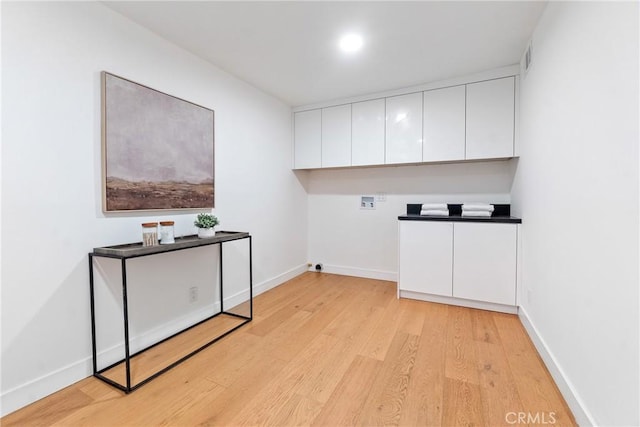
<point>567,389</point>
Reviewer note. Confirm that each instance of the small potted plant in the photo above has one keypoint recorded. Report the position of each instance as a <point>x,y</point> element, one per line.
<point>205,223</point>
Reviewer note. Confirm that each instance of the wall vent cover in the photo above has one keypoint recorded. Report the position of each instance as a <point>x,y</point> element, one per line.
<point>527,58</point>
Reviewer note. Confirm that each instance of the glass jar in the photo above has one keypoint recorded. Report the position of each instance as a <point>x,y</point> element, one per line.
<point>166,232</point>
<point>149,234</point>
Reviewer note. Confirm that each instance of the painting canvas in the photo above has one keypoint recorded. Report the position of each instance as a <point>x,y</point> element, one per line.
<point>158,150</point>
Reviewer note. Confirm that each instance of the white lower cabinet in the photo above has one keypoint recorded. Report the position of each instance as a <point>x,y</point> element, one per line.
<point>484,267</point>
<point>426,256</point>
<point>465,263</point>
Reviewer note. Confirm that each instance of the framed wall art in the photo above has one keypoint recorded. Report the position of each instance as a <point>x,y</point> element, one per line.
<point>157,150</point>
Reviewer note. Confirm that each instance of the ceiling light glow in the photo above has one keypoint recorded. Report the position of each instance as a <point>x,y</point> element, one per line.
<point>351,43</point>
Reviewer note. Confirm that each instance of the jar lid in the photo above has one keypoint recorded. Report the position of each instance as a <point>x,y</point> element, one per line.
<point>149,224</point>
<point>166,222</point>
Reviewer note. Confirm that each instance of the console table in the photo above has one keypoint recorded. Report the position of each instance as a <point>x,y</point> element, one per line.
<point>135,250</point>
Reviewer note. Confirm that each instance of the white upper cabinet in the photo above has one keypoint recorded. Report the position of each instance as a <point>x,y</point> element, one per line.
<point>404,129</point>
<point>336,136</point>
<point>307,139</point>
<point>490,119</point>
<point>367,138</point>
<point>468,121</point>
<point>444,124</point>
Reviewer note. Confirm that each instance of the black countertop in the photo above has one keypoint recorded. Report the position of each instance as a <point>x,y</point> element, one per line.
<point>501,214</point>
<point>458,218</point>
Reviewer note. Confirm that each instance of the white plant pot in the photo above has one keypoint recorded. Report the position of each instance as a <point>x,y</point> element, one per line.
<point>203,233</point>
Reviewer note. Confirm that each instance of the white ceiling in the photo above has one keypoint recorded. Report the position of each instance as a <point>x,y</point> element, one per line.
<point>289,49</point>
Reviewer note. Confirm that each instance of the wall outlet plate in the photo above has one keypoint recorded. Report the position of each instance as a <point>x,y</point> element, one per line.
<point>193,294</point>
<point>367,202</point>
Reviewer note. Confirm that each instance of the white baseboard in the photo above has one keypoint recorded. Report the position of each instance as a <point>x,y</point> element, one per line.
<point>38,388</point>
<point>33,390</point>
<point>115,353</point>
<point>391,276</point>
<point>243,296</point>
<point>459,301</point>
<point>279,279</point>
<point>582,415</point>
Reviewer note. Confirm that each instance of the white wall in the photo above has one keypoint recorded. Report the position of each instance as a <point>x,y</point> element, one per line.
<point>354,241</point>
<point>576,189</point>
<point>1,406</point>
<point>52,55</point>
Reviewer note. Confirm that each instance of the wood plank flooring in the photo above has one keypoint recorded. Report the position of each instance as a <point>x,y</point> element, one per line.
<point>328,350</point>
<point>164,354</point>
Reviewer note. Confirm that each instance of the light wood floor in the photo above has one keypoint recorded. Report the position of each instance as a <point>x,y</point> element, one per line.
<point>331,350</point>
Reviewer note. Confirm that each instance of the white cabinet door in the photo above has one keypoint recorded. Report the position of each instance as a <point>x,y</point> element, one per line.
<point>307,139</point>
<point>485,262</point>
<point>444,124</point>
<point>336,136</point>
<point>425,257</point>
<point>490,118</point>
<point>404,129</point>
<point>367,139</point>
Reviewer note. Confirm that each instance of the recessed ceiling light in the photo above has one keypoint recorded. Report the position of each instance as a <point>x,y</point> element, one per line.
<point>351,43</point>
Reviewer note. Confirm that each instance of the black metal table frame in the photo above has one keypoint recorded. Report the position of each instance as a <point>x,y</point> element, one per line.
<point>127,358</point>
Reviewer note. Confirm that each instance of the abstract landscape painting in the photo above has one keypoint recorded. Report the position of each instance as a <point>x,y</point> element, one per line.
<point>158,150</point>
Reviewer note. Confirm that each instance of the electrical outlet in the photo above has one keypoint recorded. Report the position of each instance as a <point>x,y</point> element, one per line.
<point>193,294</point>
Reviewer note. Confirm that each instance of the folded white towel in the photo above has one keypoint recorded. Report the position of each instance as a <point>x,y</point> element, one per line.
<point>434,212</point>
<point>477,207</point>
<point>476,213</point>
<point>434,206</point>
